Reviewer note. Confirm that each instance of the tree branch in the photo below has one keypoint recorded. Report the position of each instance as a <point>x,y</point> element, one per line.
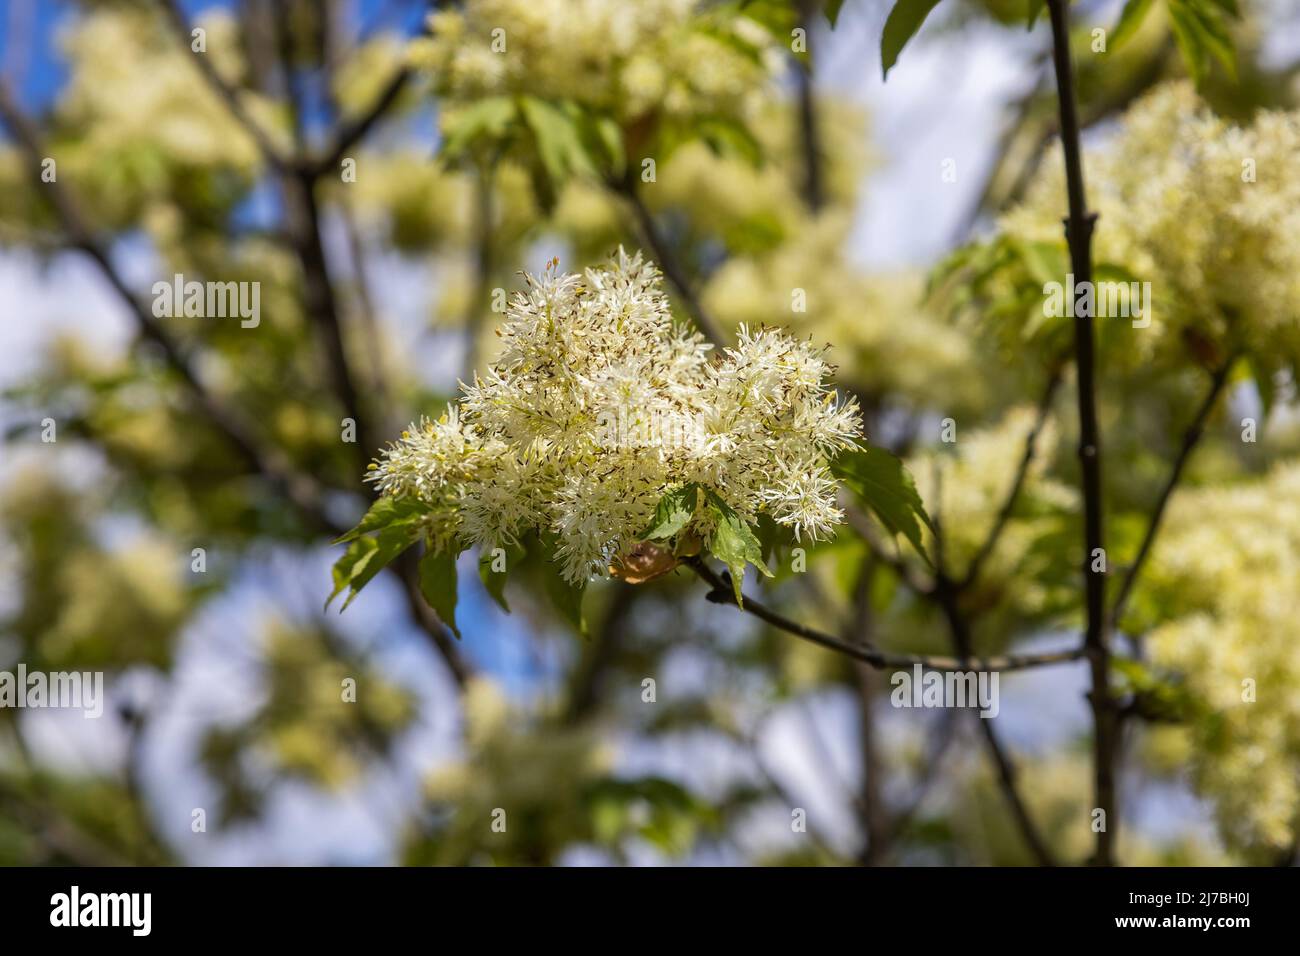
<point>352,130</point>
<point>722,593</point>
<point>1078,232</point>
<point>301,490</point>
<point>1026,459</point>
<point>1191,438</point>
<point>814,192</point>
<point>946,597</point>
<point>667,260</point>
<point>228,94</point>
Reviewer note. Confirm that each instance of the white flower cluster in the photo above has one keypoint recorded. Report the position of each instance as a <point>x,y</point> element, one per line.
<point>629,59</point>
<point>1229,585</point>
<point>598,405</point>
<point>1206,211</point>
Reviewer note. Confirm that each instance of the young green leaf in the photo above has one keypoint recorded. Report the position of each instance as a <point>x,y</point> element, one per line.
<point>486,121</point>
<point>438,584</point>
<point>673,512</point>
<point>495,580</point>
<point>900,26</point>
<point>386,513</point>
<point>559,140</point>
<point>1130,19</point>
<point>734,543</point>
<point>566,598</point>
<point>884,485</point>
<point>365,558</point>
<point>1200,32</point>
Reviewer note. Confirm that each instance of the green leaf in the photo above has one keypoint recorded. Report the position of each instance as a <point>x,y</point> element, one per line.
<point>559,140</point>
<point>1229,7</point>
<point>487,120</point>
<point>770,534</point>
<point>730,138</point>
<point>1130,19</point>
<point>1215,35</point>
<point>495,581</point>
<point>884,485</point>
<point>901,25</point>
<point>366,557</point>
<point>438,584</point>
<point>607,136</point>
<point>1034,8</point>
<point>673,512</point>
<point>566,598</point>
<point>1201,33</point>
<point>734,543</point>
<point>1046,261</point>
<point>832,11</point>
<point>386,513</point>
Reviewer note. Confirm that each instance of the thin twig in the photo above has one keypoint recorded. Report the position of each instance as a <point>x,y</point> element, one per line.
<point>722,593</point>
<point>352,130</point>
<point>1013,495</point>
<point>946,597</point>
<point>814,192</point>
<point>228,94</point>
<point>301,489</point>
<point>1191,438</point>
<point>667,260</point>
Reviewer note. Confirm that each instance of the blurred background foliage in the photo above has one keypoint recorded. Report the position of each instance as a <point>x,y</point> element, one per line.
<point>229,685</point>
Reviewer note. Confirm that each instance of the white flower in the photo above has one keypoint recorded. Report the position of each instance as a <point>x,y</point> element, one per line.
<point>599,404</point>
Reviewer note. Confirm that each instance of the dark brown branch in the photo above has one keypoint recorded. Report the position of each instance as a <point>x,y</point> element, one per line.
<point>722,593</point>
<point>946,597</point>
<point>1078,232</point>
<point>1013,495</point>
<point>301,489</point>
<point>228,94</point>
<point>353,130</point>
<point>1191,438</point>
<point>321,307</point>
<point>814,192</point>
<point>319,301</point>
<point>873,815</point>
<point>667,261</point>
